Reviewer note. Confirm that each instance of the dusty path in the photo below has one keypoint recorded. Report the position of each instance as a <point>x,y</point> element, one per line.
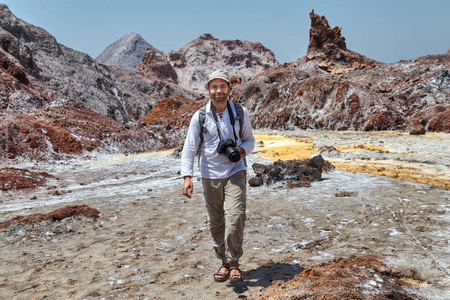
<point>151,243</point>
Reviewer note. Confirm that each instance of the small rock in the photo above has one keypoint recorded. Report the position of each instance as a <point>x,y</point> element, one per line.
<point>256,181</point>
<point>417,130</point>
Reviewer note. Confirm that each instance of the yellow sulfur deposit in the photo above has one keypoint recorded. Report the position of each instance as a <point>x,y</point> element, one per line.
<point>277,147</point>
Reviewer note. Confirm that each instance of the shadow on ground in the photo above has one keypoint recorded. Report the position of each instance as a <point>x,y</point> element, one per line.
<point>264,276</point>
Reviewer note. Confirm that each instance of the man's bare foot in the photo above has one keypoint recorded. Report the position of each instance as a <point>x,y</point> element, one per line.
<point>235,274</point>
<point>222,274</point>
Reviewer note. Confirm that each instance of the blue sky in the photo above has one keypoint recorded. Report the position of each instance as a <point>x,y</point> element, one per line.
<point>387,31</point>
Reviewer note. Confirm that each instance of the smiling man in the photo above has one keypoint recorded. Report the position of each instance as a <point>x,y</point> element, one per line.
<point>221,133</point>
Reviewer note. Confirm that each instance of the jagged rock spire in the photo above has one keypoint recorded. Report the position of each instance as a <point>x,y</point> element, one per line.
<point>322,37</point>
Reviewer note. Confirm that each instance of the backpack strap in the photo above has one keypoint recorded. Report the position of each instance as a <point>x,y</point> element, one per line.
<point>240,117</point>
<point>202,123</point>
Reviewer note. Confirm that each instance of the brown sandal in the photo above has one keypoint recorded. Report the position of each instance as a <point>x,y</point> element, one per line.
<point>236,277</point>
<point>223,276</point>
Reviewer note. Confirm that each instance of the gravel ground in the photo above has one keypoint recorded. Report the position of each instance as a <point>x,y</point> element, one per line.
<point>152,243</point>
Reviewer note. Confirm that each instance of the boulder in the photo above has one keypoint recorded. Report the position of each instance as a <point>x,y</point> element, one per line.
<point>295,172</point>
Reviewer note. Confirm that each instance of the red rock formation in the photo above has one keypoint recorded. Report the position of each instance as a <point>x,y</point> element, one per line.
<point>14,179</point>
<point>328,47</point>
<point>56,215</point>
<point>12,69</point>
<point>64,131</point>
<point>441,121</point>
<point>173,111</point>
<point>27,136</point>
<point>322,37</point>
<point>343,278</point>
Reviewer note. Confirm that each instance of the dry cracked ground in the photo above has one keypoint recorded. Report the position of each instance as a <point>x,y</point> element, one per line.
<point>376,227</point>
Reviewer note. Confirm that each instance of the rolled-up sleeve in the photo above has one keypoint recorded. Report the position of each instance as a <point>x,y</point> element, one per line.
<point>190,147</point>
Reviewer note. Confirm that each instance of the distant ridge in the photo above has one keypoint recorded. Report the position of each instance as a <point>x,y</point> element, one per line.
<point>190,65</point>
<point>127,52</point>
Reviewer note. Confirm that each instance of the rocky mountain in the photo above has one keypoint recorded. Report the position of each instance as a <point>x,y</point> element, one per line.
<point>334,88</point>
<point>127,52</point>
<point>338,89</point>
<point>56,101</point>
<point>70,77</point>
<point>190,65</point>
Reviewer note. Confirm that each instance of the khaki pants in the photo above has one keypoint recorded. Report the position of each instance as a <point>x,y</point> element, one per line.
<point>226,202</point>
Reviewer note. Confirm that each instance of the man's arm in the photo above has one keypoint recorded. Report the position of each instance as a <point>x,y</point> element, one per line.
<point>188,155</point>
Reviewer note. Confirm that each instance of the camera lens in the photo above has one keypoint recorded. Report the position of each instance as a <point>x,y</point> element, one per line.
<point>233,154</point>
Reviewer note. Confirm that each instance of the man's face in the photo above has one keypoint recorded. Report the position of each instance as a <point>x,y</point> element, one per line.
<point>219,90</point>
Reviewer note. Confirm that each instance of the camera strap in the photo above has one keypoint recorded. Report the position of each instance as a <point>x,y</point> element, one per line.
<point>232,120</point>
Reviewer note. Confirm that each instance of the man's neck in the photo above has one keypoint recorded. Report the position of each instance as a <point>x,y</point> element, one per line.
<point>219,106</point>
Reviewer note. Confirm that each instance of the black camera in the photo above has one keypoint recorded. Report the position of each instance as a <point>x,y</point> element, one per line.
<point>229,149</point>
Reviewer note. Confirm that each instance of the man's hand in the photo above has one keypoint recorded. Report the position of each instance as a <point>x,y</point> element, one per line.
<point>242,151</point>
<point>188,186</point>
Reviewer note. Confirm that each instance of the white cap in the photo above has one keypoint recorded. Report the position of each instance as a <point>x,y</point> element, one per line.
<point>218,74</point>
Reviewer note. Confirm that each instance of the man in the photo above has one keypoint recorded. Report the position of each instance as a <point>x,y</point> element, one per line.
<point>223,171</point>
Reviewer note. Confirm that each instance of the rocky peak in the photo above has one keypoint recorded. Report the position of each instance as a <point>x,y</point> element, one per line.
<point>14,33</point>
<point>4,7</point>
<point>127,52</point>
<point>328,48</point>
<point>206,36</point>
<point>322,37</point>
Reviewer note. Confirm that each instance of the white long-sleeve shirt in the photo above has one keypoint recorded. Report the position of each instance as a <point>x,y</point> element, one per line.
<point>215,165</point>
